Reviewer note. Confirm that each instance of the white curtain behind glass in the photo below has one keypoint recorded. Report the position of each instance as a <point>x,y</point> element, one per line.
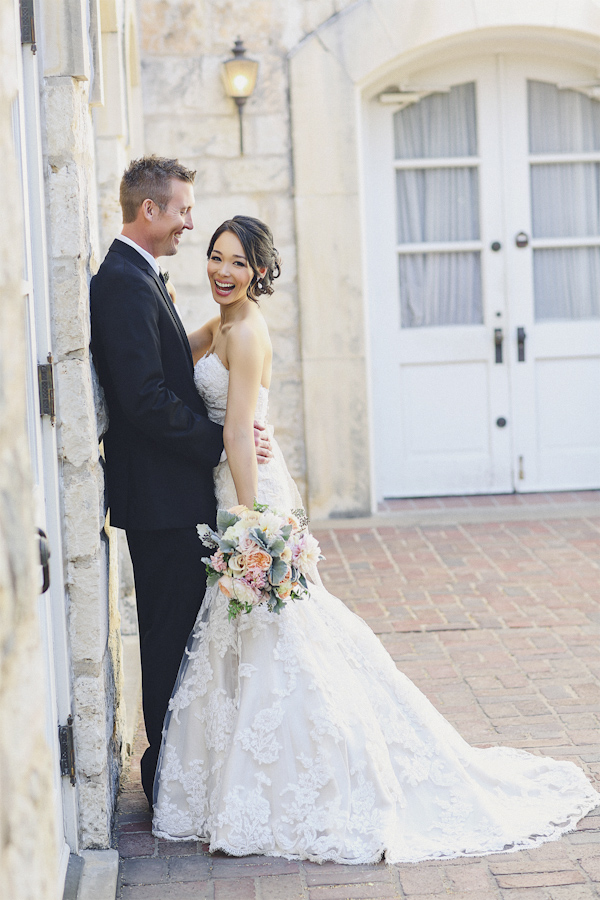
<point>440,125</point>
<point>438,205</point>
<point>565,202</point>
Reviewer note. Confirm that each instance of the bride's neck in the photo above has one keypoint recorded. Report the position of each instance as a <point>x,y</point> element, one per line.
<point>234,311</point>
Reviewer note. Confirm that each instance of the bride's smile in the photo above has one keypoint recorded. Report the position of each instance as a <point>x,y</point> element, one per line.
<point>228,270</point>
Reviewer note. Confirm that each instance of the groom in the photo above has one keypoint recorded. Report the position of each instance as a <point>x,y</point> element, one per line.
<point>160,446</point>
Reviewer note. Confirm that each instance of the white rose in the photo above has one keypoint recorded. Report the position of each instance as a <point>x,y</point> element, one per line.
<point>286,554</point>
<point>244,593</point>
<point>234,532</point>
<point>236,563</point>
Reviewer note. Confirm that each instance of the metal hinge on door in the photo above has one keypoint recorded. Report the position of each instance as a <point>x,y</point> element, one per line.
<point>27,23</point>
<point>46,389</point>
<point>67,749</point>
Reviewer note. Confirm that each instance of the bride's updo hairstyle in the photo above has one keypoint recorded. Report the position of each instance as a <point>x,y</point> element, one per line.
<point>257,241</point>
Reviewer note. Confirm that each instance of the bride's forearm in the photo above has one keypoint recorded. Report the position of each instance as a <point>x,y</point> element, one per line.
<point>241,455</point>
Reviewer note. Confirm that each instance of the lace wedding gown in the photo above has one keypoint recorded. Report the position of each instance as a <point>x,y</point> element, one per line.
<point>295,735</point>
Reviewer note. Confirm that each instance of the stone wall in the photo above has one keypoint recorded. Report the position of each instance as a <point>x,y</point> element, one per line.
<point>118,124</point>
<point>187,114</point>
<point>71,201</point>
<point>118,130</point>
<point>28,868</point>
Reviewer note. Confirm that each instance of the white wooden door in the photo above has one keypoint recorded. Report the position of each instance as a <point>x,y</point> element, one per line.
<point>553,278</point>
<point>43,449</point>
<point>447,191</point>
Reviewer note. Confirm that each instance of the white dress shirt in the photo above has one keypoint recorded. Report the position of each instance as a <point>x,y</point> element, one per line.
<point>147,256</point>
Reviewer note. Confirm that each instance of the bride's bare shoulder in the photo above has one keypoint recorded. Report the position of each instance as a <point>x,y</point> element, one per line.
<point>251,327</point>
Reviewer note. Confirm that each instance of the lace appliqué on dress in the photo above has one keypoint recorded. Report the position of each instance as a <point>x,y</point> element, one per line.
<point>295,734</point>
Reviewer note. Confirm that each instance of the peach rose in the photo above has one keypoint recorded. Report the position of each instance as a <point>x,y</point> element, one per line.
<point>226,585</point>
<point>238,510</point>
<point>284,589</point>
<point>257,559</point>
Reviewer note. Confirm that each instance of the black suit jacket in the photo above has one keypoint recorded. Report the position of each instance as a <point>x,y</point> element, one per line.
<point>160,446</point>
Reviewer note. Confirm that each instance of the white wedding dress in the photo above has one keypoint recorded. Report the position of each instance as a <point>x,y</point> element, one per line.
<point>295,735</point>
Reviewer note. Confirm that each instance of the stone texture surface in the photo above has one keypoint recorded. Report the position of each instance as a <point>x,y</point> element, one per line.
<point>183,47</point>
<point>28,864</point>
<point>91,582</point>
<point>497,623</point>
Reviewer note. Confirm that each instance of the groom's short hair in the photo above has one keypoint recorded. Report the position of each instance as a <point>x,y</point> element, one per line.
<point>149,178</point>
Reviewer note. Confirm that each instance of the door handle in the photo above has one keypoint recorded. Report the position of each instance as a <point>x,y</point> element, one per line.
<point>44,546</point>
<point>521,344</point>
<point>498,338</point>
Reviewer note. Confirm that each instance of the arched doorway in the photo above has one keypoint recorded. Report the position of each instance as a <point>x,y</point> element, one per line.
<point>482,200</point>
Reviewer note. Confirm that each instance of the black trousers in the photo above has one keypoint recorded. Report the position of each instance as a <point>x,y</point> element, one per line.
<point>170,580</point>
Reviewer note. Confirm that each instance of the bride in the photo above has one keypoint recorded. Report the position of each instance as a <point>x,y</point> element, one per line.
<point>295,735</point>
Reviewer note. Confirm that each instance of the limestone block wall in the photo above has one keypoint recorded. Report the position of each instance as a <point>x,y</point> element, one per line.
<point>187,114</point>
<point>27,848</point>
<point>118,123</point>
<point>91,588</point>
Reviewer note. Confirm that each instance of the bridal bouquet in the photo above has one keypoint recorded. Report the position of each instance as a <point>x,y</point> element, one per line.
<point>260,556</point>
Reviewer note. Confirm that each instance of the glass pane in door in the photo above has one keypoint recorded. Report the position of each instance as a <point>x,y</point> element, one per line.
<point>438,205</point>
<point>562,121</point>
<point>566,283</point>
<point>439,125</point>
<point>565,202</point>
<point>440,288</point>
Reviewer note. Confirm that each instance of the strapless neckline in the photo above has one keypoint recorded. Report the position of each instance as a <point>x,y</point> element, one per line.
<point>212,382</point>
<point>224,367</point>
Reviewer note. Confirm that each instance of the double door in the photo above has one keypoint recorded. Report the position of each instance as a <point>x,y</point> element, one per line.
<point>483,221</point>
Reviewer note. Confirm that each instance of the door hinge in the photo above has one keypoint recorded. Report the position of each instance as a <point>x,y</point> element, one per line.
<point>67,749</point>
<point>26,10</point>
<point>46,389</point>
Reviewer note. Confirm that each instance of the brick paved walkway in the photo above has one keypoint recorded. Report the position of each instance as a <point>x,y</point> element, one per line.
<point>498,623</point>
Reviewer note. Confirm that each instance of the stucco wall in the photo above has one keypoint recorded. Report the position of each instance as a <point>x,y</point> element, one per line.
<point>27,850</point>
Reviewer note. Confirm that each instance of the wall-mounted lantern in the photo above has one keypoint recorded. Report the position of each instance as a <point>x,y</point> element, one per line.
<point>239,75</point>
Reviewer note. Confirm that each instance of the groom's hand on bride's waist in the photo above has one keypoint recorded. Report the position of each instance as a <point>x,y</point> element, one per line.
<point>263,444</point>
